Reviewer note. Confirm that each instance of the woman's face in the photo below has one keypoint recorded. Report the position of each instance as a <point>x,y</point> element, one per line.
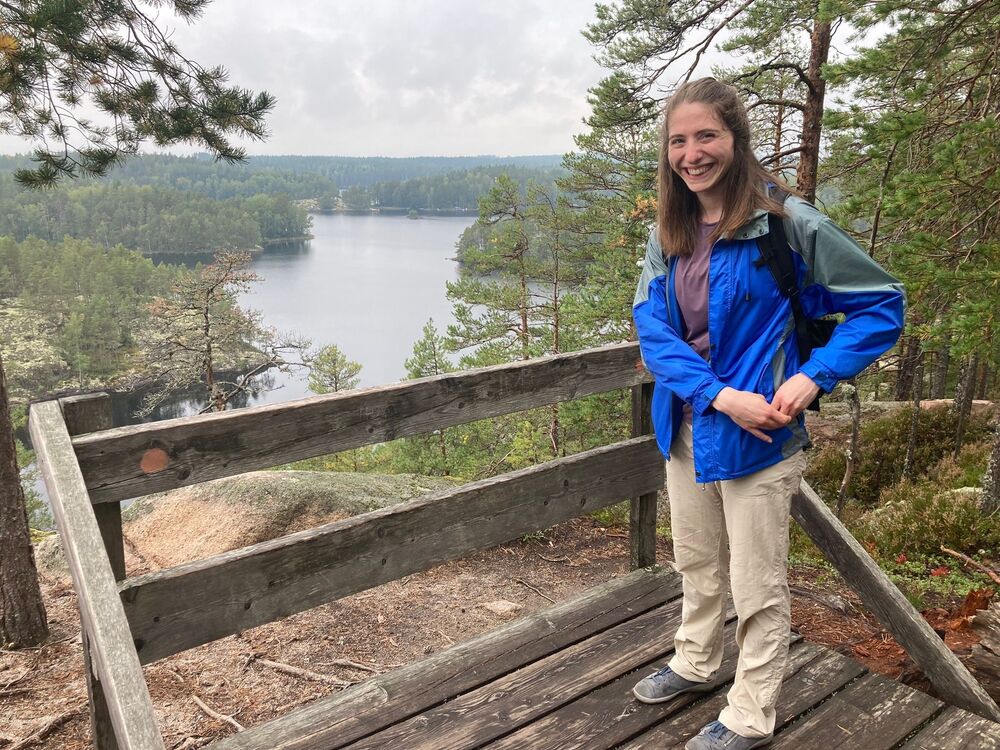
<point>699,149</point>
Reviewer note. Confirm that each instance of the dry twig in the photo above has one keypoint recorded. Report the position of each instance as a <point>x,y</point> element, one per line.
<point>993,576</point>
<point>306,674</point>
<point>216,715</point>
<point>554,559</point>
<point>350,664</point>
<point>44,731</point>
<point>535,589</point>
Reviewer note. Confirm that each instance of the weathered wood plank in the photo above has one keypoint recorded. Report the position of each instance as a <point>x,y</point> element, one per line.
<point>132,461</point>
<point>948,675</point>
<point>609,715</point>
<point>642,513</point>
<point>194,603</point>
<point>388,698</point>
<point>955,729</point>
<point>812,674</point>
<point>101,611</point>
<point>872,713</point>
<point>510,702</point>
<point>83,414</point>
<point>92,413</point>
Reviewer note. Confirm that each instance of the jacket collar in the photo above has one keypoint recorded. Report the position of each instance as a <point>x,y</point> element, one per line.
<point>755,227</point>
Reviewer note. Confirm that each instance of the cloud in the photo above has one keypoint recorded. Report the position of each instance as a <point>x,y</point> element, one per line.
<point>397,78</point>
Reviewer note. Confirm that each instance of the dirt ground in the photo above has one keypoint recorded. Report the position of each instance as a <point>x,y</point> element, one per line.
<point>43,688</point>
<point>250,678</point>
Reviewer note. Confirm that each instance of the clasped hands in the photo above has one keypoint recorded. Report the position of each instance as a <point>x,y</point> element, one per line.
<point>753,413</point>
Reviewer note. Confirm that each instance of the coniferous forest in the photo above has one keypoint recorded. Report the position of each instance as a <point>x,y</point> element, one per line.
<point>886,115</point>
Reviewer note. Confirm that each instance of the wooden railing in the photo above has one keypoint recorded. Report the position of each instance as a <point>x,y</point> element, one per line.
<point>89,468</point>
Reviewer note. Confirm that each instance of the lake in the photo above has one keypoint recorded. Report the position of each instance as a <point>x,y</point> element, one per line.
<point>365,283</point>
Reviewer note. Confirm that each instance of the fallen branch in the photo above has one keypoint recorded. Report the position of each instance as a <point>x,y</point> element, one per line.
<point>553,559</point>
<point>216,715</point>
<point>350,664</point>
<point>47,729</point>
<point>993,576</point>
<point>535,589</point>
<point>306,674</point>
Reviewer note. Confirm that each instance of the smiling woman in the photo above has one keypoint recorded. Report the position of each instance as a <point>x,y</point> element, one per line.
<point>719,336</point>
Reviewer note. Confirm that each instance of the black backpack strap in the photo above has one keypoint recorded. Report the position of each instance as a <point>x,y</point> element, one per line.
<point>777,254</point>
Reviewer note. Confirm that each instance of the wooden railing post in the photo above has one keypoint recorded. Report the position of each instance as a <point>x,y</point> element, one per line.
<point>642,517</point>
<point>946,673</point>
<point>102,616</point>
<point>90,413</point>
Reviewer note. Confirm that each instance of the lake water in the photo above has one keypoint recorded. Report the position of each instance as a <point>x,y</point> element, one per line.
<point>365,283</point>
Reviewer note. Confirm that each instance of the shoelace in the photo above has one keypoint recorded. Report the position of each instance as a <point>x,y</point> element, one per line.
<point>716,730</point>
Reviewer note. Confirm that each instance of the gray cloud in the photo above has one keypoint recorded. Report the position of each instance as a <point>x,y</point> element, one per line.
<point>401,78</point>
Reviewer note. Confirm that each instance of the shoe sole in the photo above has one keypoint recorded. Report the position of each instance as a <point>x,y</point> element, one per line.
<point>705,688</point>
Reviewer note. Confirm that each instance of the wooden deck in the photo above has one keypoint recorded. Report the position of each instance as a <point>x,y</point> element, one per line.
<point>561,678</point>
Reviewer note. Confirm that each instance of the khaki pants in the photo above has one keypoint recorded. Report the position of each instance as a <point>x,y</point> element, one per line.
<point>751,513</point>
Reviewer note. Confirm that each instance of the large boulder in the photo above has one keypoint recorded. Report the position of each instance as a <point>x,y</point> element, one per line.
<point>206,519</point>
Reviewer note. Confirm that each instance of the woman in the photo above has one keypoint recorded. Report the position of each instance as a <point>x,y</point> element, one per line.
<point>718,336</point>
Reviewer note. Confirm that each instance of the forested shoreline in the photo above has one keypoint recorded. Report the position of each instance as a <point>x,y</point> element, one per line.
<point>904,132</point>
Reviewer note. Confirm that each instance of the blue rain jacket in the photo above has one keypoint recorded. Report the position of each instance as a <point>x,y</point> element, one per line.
<point>751,334</point>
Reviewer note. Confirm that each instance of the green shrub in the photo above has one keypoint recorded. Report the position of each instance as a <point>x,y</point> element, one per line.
<point>919,518</point>
<point>882,452</point>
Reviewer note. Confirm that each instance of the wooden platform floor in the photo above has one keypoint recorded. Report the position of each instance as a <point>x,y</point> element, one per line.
<point>562,678</point>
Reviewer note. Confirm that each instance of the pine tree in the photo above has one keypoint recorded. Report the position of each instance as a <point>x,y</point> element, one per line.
<point>58,59</point>
<point>331,371</point>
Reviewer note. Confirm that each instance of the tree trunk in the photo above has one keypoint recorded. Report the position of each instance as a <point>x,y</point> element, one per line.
<point>909,353</point>
<point>991,480</point>
<point>911,445</point>
<point>851,391</point>
<point>812,117</point>
<point>963,398</point>
<point>939,378</point>
<point>22,614</point>
<point>984,381</point>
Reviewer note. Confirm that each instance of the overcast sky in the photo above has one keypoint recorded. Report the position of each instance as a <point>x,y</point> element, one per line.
<point>395,78</point>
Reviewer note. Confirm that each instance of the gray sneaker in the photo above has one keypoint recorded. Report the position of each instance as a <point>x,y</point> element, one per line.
<point>665,685</point>
<point>715,736</point>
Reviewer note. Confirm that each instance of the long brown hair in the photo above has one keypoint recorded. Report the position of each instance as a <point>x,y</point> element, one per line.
<point>744,182</point>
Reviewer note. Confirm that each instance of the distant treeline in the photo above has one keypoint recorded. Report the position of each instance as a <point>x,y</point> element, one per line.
<point>431,183</point>
<point>368,171</point>
<point>148,219</point>
<point>455,189</point>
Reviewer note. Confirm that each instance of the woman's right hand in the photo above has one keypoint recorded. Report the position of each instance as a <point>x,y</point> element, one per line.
<point>751,411</point>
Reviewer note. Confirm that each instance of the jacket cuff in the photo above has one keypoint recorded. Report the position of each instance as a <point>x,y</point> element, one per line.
<point>818,374</point>
<point>704,397</point>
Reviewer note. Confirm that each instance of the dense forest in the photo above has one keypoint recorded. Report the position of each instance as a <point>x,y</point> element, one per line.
<point>879,136</point>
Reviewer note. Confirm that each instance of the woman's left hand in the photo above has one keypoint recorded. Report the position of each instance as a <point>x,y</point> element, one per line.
<point>795,394</point>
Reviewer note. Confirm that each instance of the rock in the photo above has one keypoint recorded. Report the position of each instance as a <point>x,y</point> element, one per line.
<point>502,607</point>
<point>985,658</point>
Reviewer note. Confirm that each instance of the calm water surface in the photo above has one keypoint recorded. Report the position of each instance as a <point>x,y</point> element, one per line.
<point>365,283</point>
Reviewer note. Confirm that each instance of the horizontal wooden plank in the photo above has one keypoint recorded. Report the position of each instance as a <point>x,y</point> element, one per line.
<point>811,675</point>
<point>872,713</point>
<point>185,606</point>
<point>955,729</point>
<point>948,675</point>
<point>103,618</point>
<point>608,716</point>
<point>362,709</point>
<point>512,701</point>
<point>131,461</point>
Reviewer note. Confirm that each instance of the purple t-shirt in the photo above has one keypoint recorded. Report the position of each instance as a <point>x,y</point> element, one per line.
<point>691,288</point>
